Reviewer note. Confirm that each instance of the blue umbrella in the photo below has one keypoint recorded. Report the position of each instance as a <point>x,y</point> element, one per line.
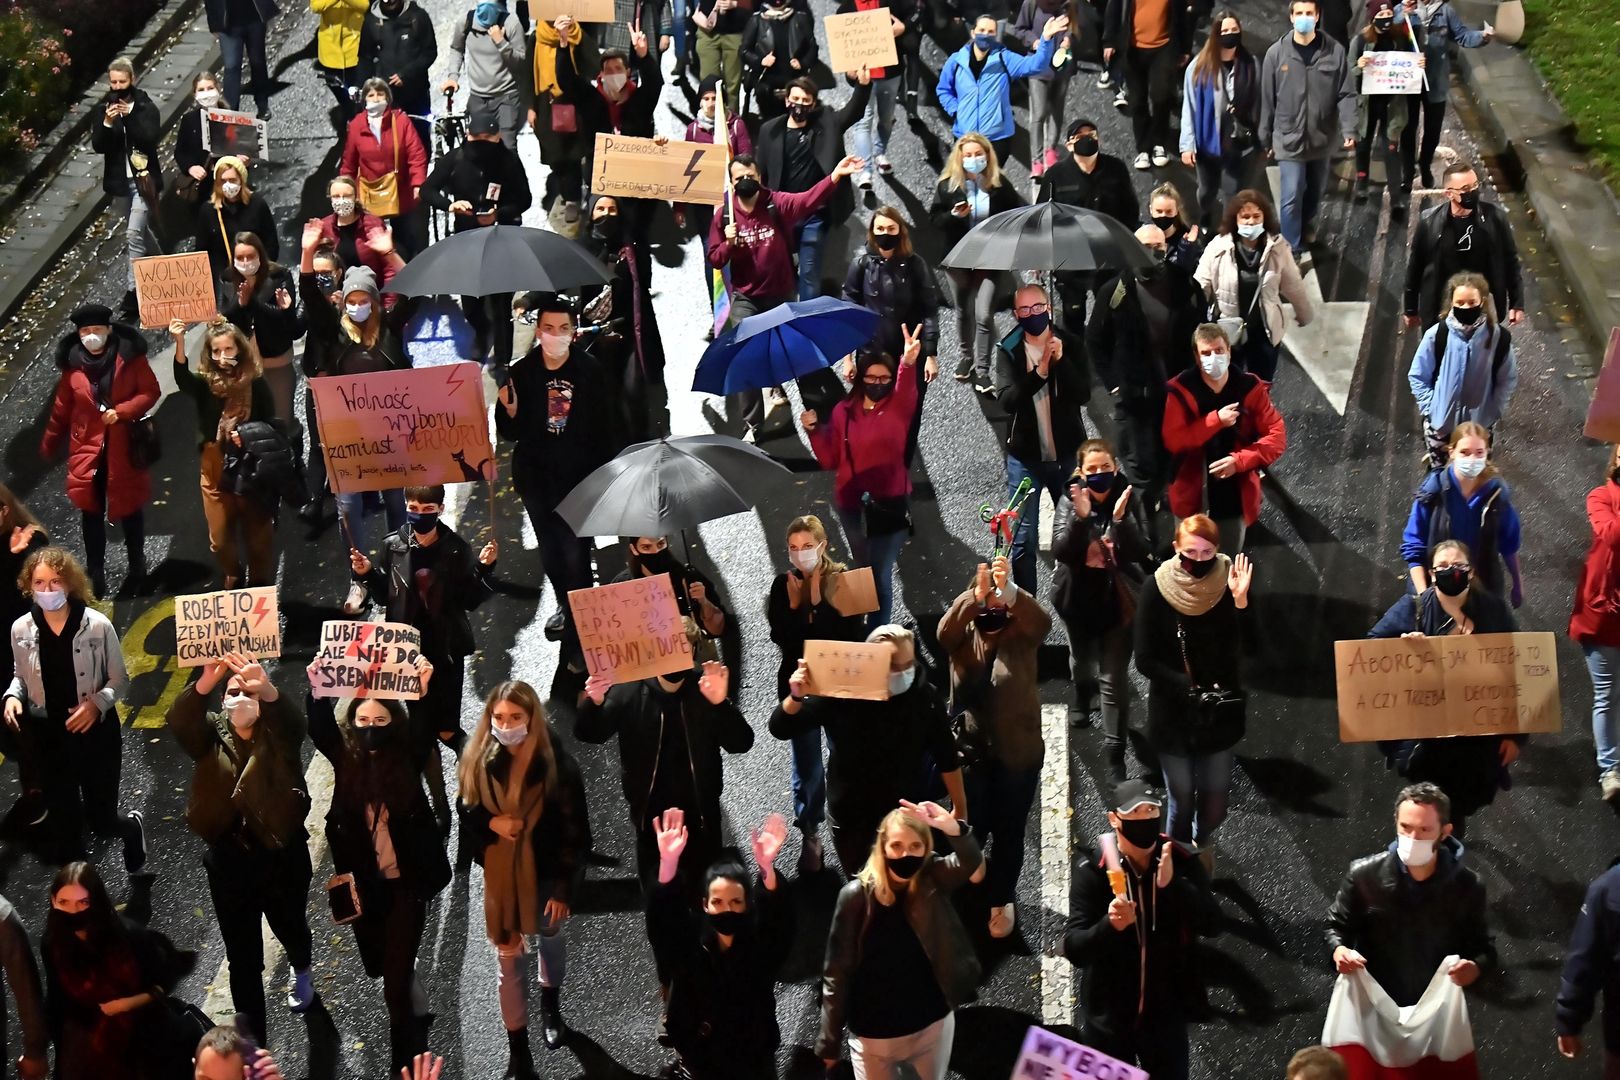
<point>783,344</point>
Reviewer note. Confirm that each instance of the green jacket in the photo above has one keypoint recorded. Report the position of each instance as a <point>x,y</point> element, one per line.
<point>259,781</point>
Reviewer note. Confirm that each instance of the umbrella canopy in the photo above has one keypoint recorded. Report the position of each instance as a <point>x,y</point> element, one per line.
<point>782,344</point>
<point>661,487</point>
<point>1049,236</point>
<point>499,259</point>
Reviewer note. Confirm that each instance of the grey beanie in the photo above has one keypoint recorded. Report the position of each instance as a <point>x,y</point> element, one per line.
<point>361,279</point>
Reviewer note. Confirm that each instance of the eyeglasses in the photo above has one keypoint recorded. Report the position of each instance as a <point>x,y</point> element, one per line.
<point>1462,191</point>
<point>1464,567</point>
<point>1030,309</point>
<point>878,381</point>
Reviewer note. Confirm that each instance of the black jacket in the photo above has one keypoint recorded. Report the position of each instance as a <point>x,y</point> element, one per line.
<point>1432,261</point>
<point>1159,950</point>
<point>1119,26</point>
<point>758,42</point>
<point>1004,196</point>
<point>459,586</point>
<point>559,442</point>
<point>418,841</point>
<point>1121,345</point>
<point>216,224</point>
<point>635,115</point>
<point>273,329</point>
<point>634,712</point>
<point>1215,652</point>
<point>328,350</point>
<point>827,126</point>
<point>903,291</point>
<point>878,752</point>
<point>562,840</point>
<point>1107,189</point>
<point>791,627</point>
<point>1404,927</point>
<point>403,45</point>
<point>721,1016</point>
<point>1097,599</point>
<point>465,174</point>
<point>1069,381</point>
<point>188,144</point>
<point>216,9</point>
<point>265,467</point>
<point>140,132</point>
<point>1593,964</point>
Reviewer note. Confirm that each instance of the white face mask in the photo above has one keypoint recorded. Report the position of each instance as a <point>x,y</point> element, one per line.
<point>342,207</point>
<point>615,82</point>
<point>243,711</point>
<point>207,99</point>
<point>510,736</point>
<point>1215,364</point>
<point>93,342</point>
<point>1469,467</point>
<point>900,681</point>
<point>556,346</point>
<point>806,560</point>
<point>247,267</point>
<point>225,363</point>
<point>230,189</point>
<point>1414,852</point>
<point>376,108</point>
<point>50,599</point>
<point>357,313</point>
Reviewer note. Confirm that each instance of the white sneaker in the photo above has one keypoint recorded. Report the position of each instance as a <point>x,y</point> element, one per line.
<point>1103,79</point>
<point>865,180</point>
<point>883,164</point>
<point>1121,99</point>
<point>1160,158</point>
<point>1142,161</point>
<point>355,602</point>
<point>1002,920</point>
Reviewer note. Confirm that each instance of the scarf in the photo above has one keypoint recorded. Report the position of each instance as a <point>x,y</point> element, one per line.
<point>704,121</point>
<point>1189,595</point>
<point>774,13</point>
<point>546,42</point>
<point>98,369</point>
<point>511,896</point>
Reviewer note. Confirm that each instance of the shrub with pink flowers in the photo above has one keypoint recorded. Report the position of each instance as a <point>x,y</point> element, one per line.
<point>36,79</point>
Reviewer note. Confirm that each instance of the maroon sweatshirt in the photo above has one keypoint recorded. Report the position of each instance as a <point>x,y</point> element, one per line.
<point>761,258</point>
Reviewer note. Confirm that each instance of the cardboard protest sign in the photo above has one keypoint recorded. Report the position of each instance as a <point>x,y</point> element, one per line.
<point>849,669</point>
<point>367,659</point>
<point>173,287</point>
<point>1431,687</point>
<point>391,429</point>
<point>235,134</point>
<point>860,39</point>
<point>597,11</point>
<point>1392,73</point>
<point>632,629</point>
<point>856,593</point>
<point>676,171</point>
<point>209,625</point>
<point>1603,414</point>
<point>1046,1056</point>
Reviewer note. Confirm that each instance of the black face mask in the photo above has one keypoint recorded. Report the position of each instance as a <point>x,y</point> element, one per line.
<point>906,866</point>
<point>1467,316</point>
<point>799,112</point>
<point>72,921</point>
<point>659,562</point>
<point>422,524</point>
<point>877,391</point>
<point>1140,833</point>
<point>991,620</point>
<point>1168,224</point>
<point>1085,145</point>
<point>746,188</point>
<point>1383,25</point>
<point>121,95</point>
<point>1453,580</point>
<point>1197,567</point>
<point>1231,41</point>
<point>1154,271</point>
<point>1100,483</point>
<point>393,7</point>
<point>372,738</point>
<point>727,922</point>
<point>606,228</point>
<point>886,242</point>
<point>1469,200</point>
<point>1614,474</point>
<point>676,677</point>
<point>327,283</point>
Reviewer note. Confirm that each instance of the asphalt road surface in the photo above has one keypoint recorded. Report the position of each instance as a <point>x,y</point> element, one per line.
<point>1303,805</point>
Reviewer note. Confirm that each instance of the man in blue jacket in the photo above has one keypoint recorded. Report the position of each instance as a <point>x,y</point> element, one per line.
<point>1590,966</point>
<point>975,85</point>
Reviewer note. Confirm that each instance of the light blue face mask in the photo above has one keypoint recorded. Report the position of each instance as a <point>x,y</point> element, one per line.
<point>1469,467</point>
<point>51,599</point>
<point>510,736</point>
<point>357,312</point>
<point>1252,232</point>
<point>1304,24</point>
<point>974,165</point>
<point>901,681</point>
<point>487,15</point>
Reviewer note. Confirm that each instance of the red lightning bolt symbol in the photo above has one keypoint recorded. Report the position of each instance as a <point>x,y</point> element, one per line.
<point>454,379</point>
<point>261,608</point>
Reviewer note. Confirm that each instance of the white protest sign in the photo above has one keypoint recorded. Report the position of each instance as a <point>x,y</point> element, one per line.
<point>367,659</point>
<point>1392,73</point>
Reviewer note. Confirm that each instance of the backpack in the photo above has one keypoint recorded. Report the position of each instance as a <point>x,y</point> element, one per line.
<point>1504,340</point>
<point>520,9</point>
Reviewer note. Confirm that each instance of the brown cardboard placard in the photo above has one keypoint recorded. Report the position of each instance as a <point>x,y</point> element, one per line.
<point>209,625</point>
<point>860,39</point>
<point>633,168</point>
<point>632,629</point>
<point>367,660</point>
<point>849,669</point>
<point>856,593</point>
<point>592,11</point>
<point>1433,687</point>
<point>171,287</point>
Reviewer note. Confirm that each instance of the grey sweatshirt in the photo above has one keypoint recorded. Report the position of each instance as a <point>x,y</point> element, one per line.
<point>1306,112</point>
<point>491,70</point>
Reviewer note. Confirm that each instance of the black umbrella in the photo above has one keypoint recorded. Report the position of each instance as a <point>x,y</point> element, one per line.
<point>1048,236</point>
<point>661,487</point>
<point>499,259</point>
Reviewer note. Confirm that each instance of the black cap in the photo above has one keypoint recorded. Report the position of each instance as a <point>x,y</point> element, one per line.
<point>483,120</point>
<point>1080,125</point>
<point>1133,793</point>
<point>710,84</point>
<point>92,315</point>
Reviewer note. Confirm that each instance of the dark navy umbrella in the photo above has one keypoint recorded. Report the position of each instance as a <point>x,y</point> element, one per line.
<point>783,344</point>
<point>1049,236</point>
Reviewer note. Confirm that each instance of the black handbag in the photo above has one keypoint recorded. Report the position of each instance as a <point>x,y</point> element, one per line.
<point>1214,707</point>
<point>879,516</point>
<point>145,444</point>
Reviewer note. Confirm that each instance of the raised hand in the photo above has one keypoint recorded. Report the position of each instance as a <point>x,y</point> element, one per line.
<point>1056,26</point>
<point>669,830</point>
<point>638,39</point>
<point>1124,501</point>
<point>313,232</point>
<point>935,815</point>
<point>1239,579</point>
<point>913,344</point>
<point>798,682</point>
<point>981,583</point>
<point>507,396</point>
<point>1167,867</point>
<point>714,682</point>
<point>359,563</point>
<point>1000,572</point>
<point>427,1066</point>
<point>768,840</point>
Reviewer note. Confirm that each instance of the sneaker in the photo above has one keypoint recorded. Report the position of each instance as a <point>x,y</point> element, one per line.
<point>1143,161</point>
<point>1121,99</point>
<point>1002,920</point>
<point>1037,168</point>
<point>1160,158</point>
<point>1052,157</point>
<point>355,602</point>
<point>1610,782</point>
<point>1358,193</point>
<point>883,164</point>
<point>982,384</point>
<point>1104,79</point>
<point>264,111</point>
<point>555,626</point>
<point>135,845</point>
<point>750,437</point>
<point>811,857</point>
<point>865,181</point>
<point>1428,177</point>
<point>301,991</point>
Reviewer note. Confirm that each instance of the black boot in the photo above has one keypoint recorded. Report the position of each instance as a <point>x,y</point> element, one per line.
<point>1359,192</point>
<point>519,1063</point>
<point>1114,749</point>
<point>552,1027</point>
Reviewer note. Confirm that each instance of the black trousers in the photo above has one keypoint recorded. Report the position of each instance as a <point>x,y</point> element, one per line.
<point>439,710</point>
<point>248,883</point>
<point>79,775</point>
<point>389,936</point>
<point>1138,423</point>
<point>491,320</point>
<point>564,557</point>
<point>1150,82</point>
<point>1434,117</point>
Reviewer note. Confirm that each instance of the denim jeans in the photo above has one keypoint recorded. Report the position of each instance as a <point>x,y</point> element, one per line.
<point>1047,476</point>
<point>352,512</point>
<point>812,235</point>
<point>1220,178</point>
<point>512,968</point>
<point>1302,186</point>
<point>999,801</point>
<point>1046,100</point>
<point>1198,785</point>
<point>809,781</point>
<point>677,28</point>
<point>878,552</point>
<point>1105,660</point>
<point>139,239</point>
<point>872,130</point>
<point>1603,664</point>
<point>232,44</point>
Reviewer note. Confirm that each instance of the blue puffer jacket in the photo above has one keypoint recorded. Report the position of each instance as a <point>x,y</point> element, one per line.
<point>984,104</point>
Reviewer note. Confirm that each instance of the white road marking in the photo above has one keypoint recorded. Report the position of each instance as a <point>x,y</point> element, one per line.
<point>1057,818</point>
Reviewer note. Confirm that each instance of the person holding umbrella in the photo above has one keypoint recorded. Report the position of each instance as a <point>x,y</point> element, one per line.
<point>558,409</point>
<point>648,556</point>
<point>1091,180</point>
<point>751,235</point>
<point>970,190</point>
<point>632,340</point>
<point>864,443</point>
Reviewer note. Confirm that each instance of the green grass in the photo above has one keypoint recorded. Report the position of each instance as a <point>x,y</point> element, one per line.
<point>1576,45</point>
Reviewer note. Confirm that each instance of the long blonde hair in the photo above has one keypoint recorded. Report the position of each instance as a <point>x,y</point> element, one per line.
<point>809,523</point>
<point>956,176</point>
<point>875,874</point>
<point>473,772</point>
<point>238,166</point>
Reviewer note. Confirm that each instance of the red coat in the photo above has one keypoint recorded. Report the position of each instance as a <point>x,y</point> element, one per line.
<point>76,418</point>
<point>1261,440</point>
<point>370,225</point>
<point>367,157</point>
<point>1596,618</point>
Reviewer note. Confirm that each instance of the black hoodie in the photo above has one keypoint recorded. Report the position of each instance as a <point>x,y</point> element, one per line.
<point>401,45</point>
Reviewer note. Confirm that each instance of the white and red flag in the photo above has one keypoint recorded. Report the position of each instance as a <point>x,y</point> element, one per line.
<point>1380,1040</point>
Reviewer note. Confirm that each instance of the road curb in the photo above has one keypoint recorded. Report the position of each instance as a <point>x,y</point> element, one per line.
<point>1575,209</point>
